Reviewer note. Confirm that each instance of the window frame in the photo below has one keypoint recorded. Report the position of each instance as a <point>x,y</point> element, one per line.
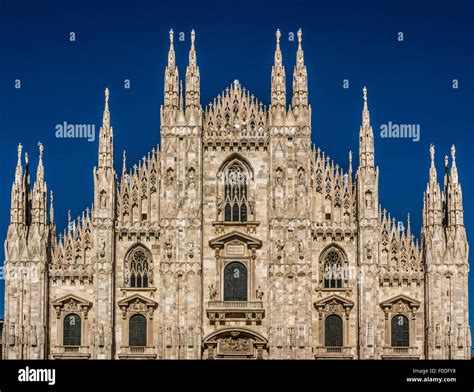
<point>145,332</point>
<point>78,329</point>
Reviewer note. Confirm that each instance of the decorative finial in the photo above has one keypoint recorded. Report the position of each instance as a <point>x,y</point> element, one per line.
<point>278,36</point>
<point>453,153</point>
<point>364,90</point>
<point>41,149</point>
<point>432,152</point>
<point>20,149</point>
<point>193,37</point>
<point>69,217</point>
<point>171,36</point>
<point>446,162</point>
<point>106,95</point>
<point>26,158</point>
<point>300,37</point>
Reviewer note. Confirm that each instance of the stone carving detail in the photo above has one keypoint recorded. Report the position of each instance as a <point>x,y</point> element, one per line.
<point>259,293</point>
<point>301,249</point>
<point>169,249</point>
<point>102,248</point>
<point>280,244</point>
<point>101,335</point>
<point>235,344</point>
<point>212,292</point>
<point>370,335</point>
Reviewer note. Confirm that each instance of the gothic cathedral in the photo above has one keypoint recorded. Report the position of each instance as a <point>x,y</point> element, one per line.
<point>236,238</point>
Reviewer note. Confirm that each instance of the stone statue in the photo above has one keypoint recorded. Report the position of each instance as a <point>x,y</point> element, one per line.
<point>169,249</point>
<point>102,247</point>
<point>259,294</point>
<point>212,292</point>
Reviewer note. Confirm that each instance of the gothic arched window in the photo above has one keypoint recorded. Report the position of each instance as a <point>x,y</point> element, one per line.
<point>72,330</point>
<point>137,331</point>
<point>400,331</point>
<point>333,331</point>
<point>138,268</point>
<point>235,194</point>
<point>332,270</point>
<point>235,282</point>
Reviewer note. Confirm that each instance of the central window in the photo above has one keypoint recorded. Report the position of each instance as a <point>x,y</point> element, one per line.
<point>235,282</point>
<point>235,194</point>
<point>137,331</point>
<point>400,331</point>
<point>72,330</point>
<point>333,331</point>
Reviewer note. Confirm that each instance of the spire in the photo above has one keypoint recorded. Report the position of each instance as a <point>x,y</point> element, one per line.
<point>446,171</point>
<point>408,226</point>
<point>106,137</point>
<point>106,116</point>
<point>39,206</point>
<point>19,194</point>
<point>278,77</point>
<point>171,54</point>
<point>432,200</point>
<point>171,78</point>
<point>366,137</point>
<point>40,169</point>
<point>365,111</point>
<point>300,77</point>
<point>19,169</point>
<point>181,95</point>
<point>124,164</point>
<point>299,53</point>
<point>350,163</point>
<point>433,173</point>
<point>454,169</point>
<point>453,197</point>
<point>193,90</point>
<point>51,209</point>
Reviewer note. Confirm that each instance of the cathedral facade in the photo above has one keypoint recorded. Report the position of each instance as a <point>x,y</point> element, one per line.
<point>235,238</point>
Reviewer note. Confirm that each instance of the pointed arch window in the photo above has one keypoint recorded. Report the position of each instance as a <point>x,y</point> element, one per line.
<point>235,194</point>
<point>332,269</point>
<point>137,331</point>
<point>400,331</point>
<point>72,330</point>
<point>138,272</point>
<point>333,331</point>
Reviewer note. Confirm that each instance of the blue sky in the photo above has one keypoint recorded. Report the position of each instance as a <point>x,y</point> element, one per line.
<point>409,82</point>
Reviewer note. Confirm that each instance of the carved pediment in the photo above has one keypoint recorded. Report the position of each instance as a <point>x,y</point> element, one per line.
<point>334,303</point>
<point>71,303</point>
<point>400,303</point>
<point>235,237</point>
<point>137,303</point>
